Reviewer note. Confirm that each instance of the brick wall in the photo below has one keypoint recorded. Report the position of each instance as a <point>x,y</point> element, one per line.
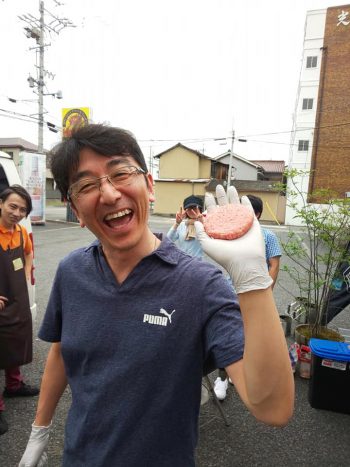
<point>331,150</point>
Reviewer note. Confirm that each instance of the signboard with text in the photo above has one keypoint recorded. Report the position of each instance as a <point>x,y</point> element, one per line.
<point>74,117</point>
<point>32,171</point>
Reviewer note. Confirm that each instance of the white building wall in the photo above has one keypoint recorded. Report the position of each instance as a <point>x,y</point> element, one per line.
<point>241,170</point>
<point>304,120</point>
<point>244,171</point>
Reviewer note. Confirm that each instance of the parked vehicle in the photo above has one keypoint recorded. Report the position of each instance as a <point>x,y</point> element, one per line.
<point>9,176</point>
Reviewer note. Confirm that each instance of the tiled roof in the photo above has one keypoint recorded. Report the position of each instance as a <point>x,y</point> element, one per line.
<point>272,166</point>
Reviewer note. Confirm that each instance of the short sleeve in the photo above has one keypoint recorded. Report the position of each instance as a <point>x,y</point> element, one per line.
<point>28,247</point>
<point>223,332</point>
<point>51,326</point>
<point>273,248</point>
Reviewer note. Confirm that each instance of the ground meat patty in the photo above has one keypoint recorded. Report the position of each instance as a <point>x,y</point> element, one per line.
<point>228,222</point>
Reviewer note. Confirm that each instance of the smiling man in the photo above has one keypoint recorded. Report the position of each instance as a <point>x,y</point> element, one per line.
<point>131,318</point>
<point>16,258</point>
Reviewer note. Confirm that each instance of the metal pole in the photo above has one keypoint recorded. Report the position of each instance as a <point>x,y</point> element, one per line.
<point>150,161</point>
<point>41,81</point>
<point>230,161</point>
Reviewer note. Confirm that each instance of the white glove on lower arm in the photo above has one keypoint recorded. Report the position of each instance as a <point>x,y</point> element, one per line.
<point>243,258</point>
<point>34,455</point>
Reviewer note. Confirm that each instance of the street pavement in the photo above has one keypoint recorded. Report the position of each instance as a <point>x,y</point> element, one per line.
<point>312,438</point>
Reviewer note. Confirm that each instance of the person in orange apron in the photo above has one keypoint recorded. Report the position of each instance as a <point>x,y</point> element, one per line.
<point>16,257</point>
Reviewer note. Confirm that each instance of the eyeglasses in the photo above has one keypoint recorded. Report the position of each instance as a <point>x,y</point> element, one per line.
<point>121,176</point>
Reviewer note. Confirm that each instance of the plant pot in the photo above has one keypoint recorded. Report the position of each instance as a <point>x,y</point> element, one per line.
<point>286,322</point>
<point>304,332</point>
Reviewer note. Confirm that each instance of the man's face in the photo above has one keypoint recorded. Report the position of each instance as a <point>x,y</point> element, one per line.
<point>117,216</point>
<point>13,210</point>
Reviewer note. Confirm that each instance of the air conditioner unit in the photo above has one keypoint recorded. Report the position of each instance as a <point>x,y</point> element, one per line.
<point>347,194</point>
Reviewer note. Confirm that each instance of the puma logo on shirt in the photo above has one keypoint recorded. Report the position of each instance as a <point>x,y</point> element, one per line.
<point>159,320</point>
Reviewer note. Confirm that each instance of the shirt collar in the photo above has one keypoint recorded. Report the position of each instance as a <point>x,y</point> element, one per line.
<point>4,230</point>
<point>167,251</point>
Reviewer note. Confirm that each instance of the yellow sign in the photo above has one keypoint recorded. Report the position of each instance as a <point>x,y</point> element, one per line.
<point>72,118</point>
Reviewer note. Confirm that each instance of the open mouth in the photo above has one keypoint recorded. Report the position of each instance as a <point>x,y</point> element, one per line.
<point>118,219</point>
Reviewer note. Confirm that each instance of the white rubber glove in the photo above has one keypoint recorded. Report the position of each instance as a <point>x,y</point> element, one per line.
<point>243,258</point>
<point>34,455</point>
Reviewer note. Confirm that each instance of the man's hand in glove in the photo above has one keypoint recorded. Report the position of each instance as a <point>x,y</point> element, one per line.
<point>34,455</point>
<point>243,258</point>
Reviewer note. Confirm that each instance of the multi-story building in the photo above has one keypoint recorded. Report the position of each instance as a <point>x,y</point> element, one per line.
<point>320,140</point>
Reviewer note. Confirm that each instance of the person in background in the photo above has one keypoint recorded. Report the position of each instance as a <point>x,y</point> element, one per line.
<point>273,255</point>
<point>272,246</point>
<point>135,323</point>
<point>16,258</point>
<point>183,232</point>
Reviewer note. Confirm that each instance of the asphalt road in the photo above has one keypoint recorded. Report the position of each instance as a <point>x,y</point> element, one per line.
<point>312,438</point>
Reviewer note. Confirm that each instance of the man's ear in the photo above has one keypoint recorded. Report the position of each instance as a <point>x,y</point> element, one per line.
<point>74,209</point>
<point>151,196</point>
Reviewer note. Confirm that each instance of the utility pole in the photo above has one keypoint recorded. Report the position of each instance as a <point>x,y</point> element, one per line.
<point>151,160</point>
<point>230,164</point>
<point>36,29</point>
<point>230,161</point>
<point>41,80</point>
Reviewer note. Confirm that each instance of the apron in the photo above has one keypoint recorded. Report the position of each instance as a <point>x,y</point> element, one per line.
<point>16,332</point>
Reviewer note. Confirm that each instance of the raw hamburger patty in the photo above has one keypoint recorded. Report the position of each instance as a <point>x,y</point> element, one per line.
<point>228,222</point>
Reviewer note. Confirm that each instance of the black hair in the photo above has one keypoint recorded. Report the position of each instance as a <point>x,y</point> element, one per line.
<point>257,204</point>
<point>103,139</point>
<point>20,191</point>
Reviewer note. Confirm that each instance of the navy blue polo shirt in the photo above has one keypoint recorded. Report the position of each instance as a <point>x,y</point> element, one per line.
<point>135,353</point>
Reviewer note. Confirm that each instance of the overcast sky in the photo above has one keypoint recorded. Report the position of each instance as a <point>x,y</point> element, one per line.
<point>188,71</point>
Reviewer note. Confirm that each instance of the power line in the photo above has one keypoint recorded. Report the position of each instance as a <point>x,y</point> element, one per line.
<point>199,140</point>
<point>24,117</point>
<point>297,129</point>
<point>323,146</point>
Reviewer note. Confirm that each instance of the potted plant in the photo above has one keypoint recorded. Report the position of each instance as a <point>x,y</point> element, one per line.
<point>314,253</point>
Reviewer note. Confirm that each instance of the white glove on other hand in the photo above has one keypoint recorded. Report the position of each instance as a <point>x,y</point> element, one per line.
<point>34,455</point>
<point>243,258</point>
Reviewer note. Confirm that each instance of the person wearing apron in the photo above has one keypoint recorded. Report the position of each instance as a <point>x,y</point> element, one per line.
<point>16,256</point>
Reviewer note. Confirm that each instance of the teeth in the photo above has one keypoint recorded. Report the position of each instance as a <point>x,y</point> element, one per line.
<point>115,215</point>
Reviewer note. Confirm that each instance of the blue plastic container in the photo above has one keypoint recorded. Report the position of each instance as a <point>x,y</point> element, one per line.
<point>329,385</point>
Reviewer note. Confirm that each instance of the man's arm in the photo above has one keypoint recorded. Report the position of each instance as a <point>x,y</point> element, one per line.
<point>263,378</point>
<point>53,384</point>
<point>28,262</point>
<point>274,267</point>
<point>273,254</point>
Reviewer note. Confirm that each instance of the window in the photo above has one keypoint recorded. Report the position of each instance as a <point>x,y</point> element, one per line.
<point>303,145</point>
<point>311,62</point>
<point>308,104</point>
